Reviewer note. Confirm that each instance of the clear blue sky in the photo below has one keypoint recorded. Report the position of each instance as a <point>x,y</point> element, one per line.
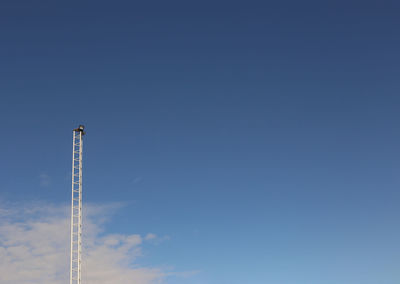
<point>263,139</point>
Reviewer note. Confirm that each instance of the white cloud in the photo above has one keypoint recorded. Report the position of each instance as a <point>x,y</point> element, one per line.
<point>34,248</point>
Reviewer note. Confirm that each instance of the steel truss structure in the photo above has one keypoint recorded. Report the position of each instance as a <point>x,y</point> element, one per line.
<point>76,206</point>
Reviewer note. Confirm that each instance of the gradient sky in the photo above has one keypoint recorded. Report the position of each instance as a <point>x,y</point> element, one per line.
<point>261,139</point>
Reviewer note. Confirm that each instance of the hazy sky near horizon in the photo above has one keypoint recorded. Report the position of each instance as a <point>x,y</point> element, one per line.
<point>257,142</point>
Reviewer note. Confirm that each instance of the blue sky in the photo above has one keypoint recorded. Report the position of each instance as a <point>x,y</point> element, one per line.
<point>258,141</point>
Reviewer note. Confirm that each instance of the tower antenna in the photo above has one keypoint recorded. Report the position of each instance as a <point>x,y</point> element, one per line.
<point>76,206</point>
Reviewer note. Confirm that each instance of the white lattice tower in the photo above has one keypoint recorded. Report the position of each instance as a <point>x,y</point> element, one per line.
<point>76,206</point>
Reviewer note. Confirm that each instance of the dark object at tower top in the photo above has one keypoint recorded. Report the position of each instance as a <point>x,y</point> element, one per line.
<point>80,129</point>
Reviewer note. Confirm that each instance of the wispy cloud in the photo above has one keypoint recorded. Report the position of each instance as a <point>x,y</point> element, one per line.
<point>155,239</point>
<point>34,248</point>
<point>44,179</point>
<point>150,236</point>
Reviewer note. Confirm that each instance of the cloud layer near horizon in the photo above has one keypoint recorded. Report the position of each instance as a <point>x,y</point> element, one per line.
<point>34,248</point>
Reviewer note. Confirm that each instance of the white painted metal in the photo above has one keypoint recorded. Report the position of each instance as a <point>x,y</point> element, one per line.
<point>76,207</point>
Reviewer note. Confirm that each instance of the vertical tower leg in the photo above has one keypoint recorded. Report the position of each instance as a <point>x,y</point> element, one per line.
<point>76,207</point>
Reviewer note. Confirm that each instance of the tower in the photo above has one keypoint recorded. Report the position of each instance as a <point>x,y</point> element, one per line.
<point>76,206</point>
